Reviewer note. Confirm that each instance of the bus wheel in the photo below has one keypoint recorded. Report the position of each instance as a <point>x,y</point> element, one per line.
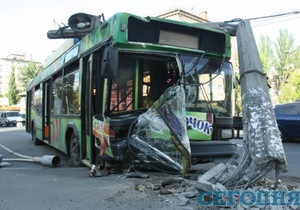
<point>74,151</point>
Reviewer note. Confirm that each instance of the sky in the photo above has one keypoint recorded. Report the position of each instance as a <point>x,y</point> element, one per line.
<point>24,23</point>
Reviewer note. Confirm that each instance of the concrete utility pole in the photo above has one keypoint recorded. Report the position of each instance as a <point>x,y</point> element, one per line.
<point>260,126</point>
<point>263,149</point>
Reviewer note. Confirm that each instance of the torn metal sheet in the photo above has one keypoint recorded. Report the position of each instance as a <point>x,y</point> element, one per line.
<point>159,136</point>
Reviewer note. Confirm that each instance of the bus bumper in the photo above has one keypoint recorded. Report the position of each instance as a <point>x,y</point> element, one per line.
<point>211,149</point>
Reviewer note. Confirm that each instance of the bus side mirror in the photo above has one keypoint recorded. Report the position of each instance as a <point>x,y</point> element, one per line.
<point>109,65</point>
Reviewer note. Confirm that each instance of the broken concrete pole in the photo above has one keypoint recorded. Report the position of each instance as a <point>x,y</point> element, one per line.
<point>213,173</point>
<point>261,130</point>
<point>263,150</point>
<point>207,181</point>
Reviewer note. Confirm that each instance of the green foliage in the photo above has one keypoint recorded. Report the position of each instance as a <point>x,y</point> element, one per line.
<point>290,91</point>
<point>285,56</point>
<point>27,73</point>
<point>237,97</point>
<point>296,62</point>
<point>266,52</point>
<point>13,92</point>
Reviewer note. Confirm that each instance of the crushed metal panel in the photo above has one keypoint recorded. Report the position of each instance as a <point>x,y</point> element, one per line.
<point>160,135</point>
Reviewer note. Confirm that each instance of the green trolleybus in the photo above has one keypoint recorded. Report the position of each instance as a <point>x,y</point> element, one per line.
<point>88,100</point>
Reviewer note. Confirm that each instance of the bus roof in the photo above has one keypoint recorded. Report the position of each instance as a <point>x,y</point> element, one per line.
<point>128,31</point>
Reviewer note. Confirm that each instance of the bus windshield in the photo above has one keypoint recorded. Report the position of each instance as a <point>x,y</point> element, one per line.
<point>208,85</point>
<point>142,79</point>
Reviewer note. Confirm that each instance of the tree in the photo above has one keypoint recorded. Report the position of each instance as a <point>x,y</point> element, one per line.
<point>284,62</point>
<point>13,93</point>
<point>28,72</point>
<point>266,52</point>
<point>290,91</point>
<point>237,97</point>
<point>297,56</point>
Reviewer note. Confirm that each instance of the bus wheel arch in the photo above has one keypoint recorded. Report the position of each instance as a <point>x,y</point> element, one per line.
<point>73,146</point>
<point>35,140</point>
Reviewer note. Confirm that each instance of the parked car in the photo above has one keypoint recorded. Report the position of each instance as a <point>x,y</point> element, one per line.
<point>21,120</point>
<point>9,118</point>
<point>288,120</point>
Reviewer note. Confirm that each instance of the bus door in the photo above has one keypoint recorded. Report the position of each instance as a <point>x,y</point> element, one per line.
<point>54,109</point>
<point>89,90</point>
<point>28,110</point>
<point>46,110</point>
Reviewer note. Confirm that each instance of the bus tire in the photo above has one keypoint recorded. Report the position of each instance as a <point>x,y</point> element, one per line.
<point>74,151</point>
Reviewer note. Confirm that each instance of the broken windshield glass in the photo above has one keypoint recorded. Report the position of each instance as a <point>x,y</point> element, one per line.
<point>159,136</point>
<point>208,85</point>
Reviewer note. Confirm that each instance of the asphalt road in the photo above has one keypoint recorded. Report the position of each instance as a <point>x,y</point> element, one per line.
<point>33,186</point>
<point>292,150</point>
<point>27,185</point>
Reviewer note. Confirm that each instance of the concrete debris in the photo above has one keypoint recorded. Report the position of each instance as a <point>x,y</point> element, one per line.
<point>140,188</point>
<point>183,201</point>
<point>136,174</point>
<point>170,181</point>
<point>203,167</point>
<point>185,192</point>
<point>189,194</point>
<point>213,173</point>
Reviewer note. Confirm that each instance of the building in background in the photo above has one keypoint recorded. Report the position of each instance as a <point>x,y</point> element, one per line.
<point>184,16</point>
<point>16,61</point>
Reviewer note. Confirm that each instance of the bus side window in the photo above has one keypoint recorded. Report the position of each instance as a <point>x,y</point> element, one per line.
<point>71,90</point>
<point>57,95</point>
<point>37,100</point>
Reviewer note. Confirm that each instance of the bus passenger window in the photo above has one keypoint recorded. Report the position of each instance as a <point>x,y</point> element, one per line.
<point>57,96</point>
<point>37,100</point>
<point>71,98</point>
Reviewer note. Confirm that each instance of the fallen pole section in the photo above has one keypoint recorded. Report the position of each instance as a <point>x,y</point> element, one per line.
<point>47,160</point>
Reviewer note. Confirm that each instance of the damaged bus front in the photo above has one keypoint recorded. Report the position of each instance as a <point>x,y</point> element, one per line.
<point>162,107</point>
